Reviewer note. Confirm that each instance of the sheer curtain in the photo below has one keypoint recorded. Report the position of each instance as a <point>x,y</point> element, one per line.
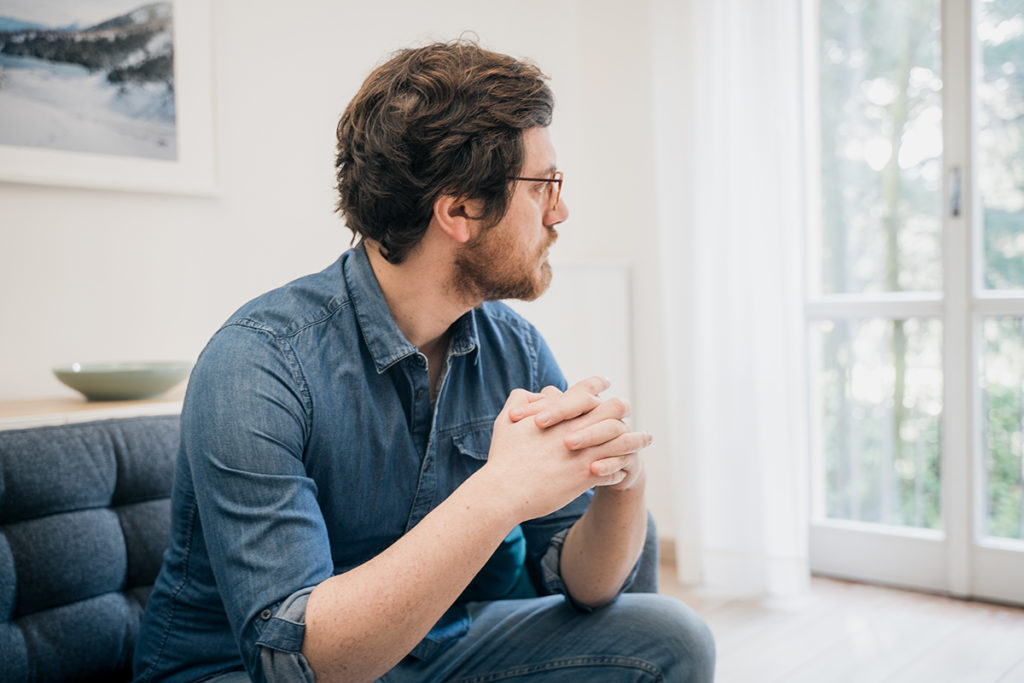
<point>728,124</point>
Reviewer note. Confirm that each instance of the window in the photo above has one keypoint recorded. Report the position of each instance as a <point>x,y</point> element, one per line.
<point>915,304</point>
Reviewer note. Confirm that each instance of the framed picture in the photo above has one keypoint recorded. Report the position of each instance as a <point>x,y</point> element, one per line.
<point>111,94</point>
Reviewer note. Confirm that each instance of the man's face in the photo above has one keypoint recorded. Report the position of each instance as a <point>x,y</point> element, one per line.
<point>510,260</point>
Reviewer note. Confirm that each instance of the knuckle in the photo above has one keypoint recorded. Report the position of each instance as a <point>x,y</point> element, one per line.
<point>617,406</point>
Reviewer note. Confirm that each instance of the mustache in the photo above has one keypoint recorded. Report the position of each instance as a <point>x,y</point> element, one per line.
<point>552,238</point>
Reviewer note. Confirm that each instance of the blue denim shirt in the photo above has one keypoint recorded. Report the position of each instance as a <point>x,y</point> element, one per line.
<point>309,445</point>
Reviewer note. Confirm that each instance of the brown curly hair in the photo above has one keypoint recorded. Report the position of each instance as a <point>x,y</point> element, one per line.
<point>447,118</point>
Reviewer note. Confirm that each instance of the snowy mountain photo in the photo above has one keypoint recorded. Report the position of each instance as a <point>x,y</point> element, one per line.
<point>107,88</point>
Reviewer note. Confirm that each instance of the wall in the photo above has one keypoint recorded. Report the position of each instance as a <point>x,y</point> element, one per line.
<point>103,275</point>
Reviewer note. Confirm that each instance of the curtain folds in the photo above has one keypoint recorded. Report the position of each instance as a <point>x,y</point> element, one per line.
<point>728,111</point>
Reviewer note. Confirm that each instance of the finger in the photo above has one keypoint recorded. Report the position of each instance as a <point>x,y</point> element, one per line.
<point>534,404</point>
<point>612,479</point>
<point>551,391</point>
<point>581,398</point>
<point>612,409</point>
<point>630,442</point>
<point>592,385</point>
<point>516,399</point>
<point>595,435</point>
<point>608,466</point>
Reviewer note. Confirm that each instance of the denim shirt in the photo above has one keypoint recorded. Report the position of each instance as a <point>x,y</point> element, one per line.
<point>310,445</point>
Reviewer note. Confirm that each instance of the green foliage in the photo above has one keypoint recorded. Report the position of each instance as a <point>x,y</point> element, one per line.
<point>882,465</point>
<point>1001,153</point>
<point>879,73</point>
<point>1004,266</point>
<point>880,90</point>
<point>1003,461</point>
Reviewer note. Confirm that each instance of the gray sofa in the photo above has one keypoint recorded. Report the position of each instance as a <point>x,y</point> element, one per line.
<point>84,520</point>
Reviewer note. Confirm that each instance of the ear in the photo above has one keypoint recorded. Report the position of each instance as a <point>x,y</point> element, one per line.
<point>454,216</point>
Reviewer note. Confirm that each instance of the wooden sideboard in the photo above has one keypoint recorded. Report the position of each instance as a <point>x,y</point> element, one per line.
<point>38,412</point>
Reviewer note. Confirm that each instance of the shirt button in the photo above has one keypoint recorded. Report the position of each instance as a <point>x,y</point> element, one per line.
<point>420,393</point>
<point>266,614</point>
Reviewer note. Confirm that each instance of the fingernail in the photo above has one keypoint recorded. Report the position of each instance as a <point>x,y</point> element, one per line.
<point>543,417</point>
<point>574,441</point>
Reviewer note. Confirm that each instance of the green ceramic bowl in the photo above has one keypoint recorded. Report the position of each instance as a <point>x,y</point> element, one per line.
<point>122,381</point>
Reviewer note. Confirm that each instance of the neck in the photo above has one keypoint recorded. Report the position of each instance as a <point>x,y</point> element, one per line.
<point>419,295</point>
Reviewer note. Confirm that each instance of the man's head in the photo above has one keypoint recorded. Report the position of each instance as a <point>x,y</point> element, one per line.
<point>445,119</point>
<point>510,259</point>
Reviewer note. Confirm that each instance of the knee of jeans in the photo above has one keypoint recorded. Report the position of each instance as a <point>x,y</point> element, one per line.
<point>681,639</point>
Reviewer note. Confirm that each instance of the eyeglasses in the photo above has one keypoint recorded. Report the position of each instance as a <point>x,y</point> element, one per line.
<point>555,190</point>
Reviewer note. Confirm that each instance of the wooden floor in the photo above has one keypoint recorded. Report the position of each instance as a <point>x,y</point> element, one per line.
<point>843,631</point>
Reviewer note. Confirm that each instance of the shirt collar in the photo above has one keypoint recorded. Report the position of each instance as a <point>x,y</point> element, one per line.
<point>385,341</point>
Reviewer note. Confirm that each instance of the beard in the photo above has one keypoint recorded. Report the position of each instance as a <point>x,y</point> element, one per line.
<point>493,267</point>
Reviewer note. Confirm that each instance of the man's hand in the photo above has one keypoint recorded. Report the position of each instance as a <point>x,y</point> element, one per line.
<point>533,466</point>
<point>603,545</point>
<point>551,406</point>
<point>597,430</point>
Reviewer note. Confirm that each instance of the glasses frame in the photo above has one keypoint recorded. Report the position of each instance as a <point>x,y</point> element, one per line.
<point>555,177</point>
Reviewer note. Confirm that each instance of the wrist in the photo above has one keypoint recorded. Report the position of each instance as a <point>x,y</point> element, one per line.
<point>489,487</point>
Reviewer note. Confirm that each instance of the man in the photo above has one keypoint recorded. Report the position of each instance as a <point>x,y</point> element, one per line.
<point>380,474</point>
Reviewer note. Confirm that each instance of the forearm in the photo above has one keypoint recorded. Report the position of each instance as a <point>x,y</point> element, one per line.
<point>604,544</point>
<point>361,623</point>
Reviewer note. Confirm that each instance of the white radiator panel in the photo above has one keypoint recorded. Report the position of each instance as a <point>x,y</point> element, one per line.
<point>586,318</point>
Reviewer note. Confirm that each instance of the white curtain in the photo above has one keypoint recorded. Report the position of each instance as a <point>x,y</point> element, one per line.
<point>729,161</point>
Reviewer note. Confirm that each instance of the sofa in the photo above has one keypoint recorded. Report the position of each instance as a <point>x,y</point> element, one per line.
<point>84,520</point>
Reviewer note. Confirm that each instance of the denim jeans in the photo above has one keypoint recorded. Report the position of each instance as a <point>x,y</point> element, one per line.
<point>640,637</point>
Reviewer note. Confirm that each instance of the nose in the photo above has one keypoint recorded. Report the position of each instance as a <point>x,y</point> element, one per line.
<point>558,214</point>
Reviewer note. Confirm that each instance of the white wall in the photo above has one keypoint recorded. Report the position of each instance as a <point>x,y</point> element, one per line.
<point>105,275</point>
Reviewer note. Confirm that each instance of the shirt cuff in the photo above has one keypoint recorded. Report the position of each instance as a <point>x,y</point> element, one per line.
<point>280,642</point>
<point>551,571</point>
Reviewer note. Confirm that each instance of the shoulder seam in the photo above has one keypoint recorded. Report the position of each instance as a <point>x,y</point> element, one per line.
<point>257,325</point>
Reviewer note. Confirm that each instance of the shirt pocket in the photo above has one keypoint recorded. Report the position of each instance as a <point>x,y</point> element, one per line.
<point>469,445</point>
<point>475,443</point>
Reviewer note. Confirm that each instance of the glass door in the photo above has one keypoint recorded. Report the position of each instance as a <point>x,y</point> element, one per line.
<point>916,292</point>
<point>998,132</point>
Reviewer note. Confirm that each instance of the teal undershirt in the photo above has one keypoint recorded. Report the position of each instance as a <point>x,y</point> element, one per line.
<point>505,576</point>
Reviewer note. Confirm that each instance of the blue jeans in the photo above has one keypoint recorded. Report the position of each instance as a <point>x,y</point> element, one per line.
<point>641,637</point>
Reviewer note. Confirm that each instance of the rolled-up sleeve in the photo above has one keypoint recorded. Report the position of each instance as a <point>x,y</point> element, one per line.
<point>244,427</point>
<point>281,641</point>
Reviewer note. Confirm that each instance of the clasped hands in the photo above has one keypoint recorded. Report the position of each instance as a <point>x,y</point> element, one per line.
<point>574,441</point>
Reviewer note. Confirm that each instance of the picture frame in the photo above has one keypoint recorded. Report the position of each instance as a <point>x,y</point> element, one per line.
<point>192,172</point>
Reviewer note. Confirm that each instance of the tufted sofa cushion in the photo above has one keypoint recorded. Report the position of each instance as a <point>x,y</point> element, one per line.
<point>84,520</point>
